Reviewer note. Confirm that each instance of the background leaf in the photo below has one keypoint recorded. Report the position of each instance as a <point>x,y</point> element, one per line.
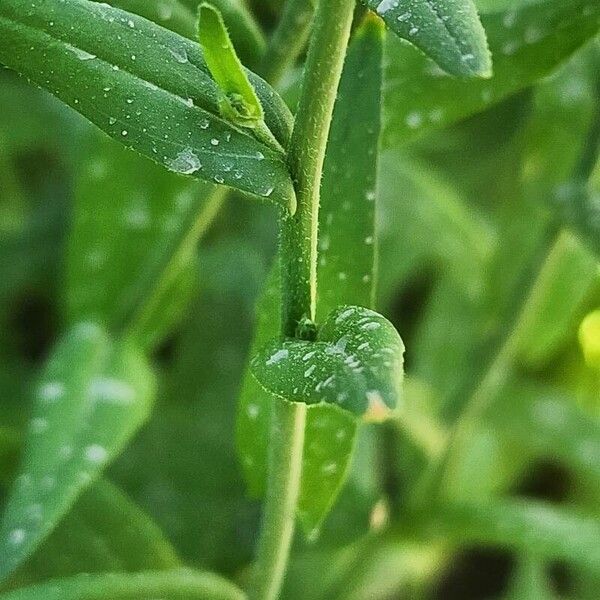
<point>93,395</point>
<point>526,43</point>
<point>449,31</point>
<point>528,526</point>
<point>185,584</point>
<point>132,264</point>
<point>148,81</point>
<point>103,531</point>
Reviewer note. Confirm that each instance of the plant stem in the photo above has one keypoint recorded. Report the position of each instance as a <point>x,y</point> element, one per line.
<point>288,39</point>
<point>285,470</point>
<point>298,252</point>
<point>324,63</point>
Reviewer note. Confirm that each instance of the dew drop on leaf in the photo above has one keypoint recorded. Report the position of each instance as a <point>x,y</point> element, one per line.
<point>185,162</point>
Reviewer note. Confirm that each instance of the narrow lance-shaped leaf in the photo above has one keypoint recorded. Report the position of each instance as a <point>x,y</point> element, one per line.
<point>94,394</point>
<point>246,34</point>
<point>346,273</point>
<point>103,531</point>
<point>172,14</point>
<point>448,31</point>
<point>148,88</point>
<point>144,234</point>
<point>565,282</point>
<point>534,527</point>
<point>183,584</point>
<point>527,43</point>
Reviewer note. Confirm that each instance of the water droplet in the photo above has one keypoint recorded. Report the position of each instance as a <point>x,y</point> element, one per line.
<point>179,54</point>
<point>185,162</point>
<point>51,391</point>
<point>414,120</point>
<point>96,453</point>
<point>16,536</point>
<point>111,391</point>
<point>79,53</point>
<point>38,425</point>
<point>277,357</point>
<point>310,371</point>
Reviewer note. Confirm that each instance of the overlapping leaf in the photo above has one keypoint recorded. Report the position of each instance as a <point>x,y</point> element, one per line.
<point>558,301</point>
<point>149,88</point>
<point>534,527</point>
<point>103,531</point>
<point>527,42</point>
<point>449,31</point>
<point>93,395</point>
<point>132,240</point>
<point>171,14</point>
<point>346,273</point>
<point>183,583</point>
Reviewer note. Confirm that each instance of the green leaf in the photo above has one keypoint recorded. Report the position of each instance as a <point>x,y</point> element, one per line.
<point>346,271</point>
<point>238,101</point>
<point>530,580</point>
<point>589,338</point>
<point>246,34</point>
<point>557,301</point>
<point>347,247</point>
<point>527,526</point>
<point>526,43</point>
<point>148,88</point>
<point>538,420</point>
<point>94,394</point>
<point>104,530</point>
<point>132,263</point>
<point>355,363</point>
<point>448,31</point>
<point>171,14</point>
<point>562,142</point>
<point>183,584</point>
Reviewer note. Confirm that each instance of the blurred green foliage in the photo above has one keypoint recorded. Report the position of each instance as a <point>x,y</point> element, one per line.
<point>486,484</point>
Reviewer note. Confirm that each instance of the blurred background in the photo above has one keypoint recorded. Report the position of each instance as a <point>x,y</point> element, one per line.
<point>483,270</point>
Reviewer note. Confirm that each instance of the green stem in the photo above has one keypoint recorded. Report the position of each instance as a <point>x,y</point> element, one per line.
<point>288,39</point>
<point>323,69</point>
<point>285,469</point>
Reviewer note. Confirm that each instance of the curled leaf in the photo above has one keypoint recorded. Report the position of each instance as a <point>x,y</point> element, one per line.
<point>237,99</point>
<point>356,363</point>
